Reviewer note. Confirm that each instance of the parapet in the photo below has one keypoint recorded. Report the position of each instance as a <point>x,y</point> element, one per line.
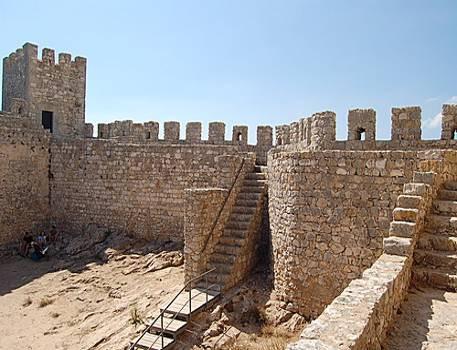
<point>406,124</point>
<point>194,132</point>
<point>240,135</point>
<point>282,135</point>
<point>319,131</point>
<point>29,53</point>
<point>88,130</point>
<point>264,135</point>
<point>151,131</point>
<point>216,133</point>
<point>322,130</point>
<point>362,124</point>
<point>126,130</point>
<point>449,122</point>
<point>171,131</point>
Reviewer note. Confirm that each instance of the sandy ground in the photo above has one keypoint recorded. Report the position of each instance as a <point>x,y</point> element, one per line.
<point>89,303</point>
<point>428,320</point>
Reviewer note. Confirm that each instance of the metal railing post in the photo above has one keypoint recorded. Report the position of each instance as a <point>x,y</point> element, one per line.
<point>161,315</point>
<point>206,287</point>
<point>190,299</point>
<point>161,328</point>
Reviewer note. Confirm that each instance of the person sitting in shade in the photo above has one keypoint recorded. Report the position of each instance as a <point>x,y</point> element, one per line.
<point>26,244</point>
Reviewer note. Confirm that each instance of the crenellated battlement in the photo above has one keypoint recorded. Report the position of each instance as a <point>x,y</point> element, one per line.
<point>127,130</point>
<point>319,130</point>
<point>53,93</point>
<point>29,53</point>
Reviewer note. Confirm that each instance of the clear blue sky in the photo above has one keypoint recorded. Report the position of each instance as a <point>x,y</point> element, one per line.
<point>250,62</point>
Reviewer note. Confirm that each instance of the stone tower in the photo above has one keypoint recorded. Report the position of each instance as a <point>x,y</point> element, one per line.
<point>53,94</point>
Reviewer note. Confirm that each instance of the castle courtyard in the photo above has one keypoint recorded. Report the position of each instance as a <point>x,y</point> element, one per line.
<point>228,175</point>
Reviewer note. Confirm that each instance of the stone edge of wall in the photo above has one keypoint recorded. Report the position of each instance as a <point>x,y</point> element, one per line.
<point>361,315</point>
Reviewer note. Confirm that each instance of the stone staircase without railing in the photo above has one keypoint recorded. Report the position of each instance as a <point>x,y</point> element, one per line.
<point>435,256</point>
<point>235,251</point>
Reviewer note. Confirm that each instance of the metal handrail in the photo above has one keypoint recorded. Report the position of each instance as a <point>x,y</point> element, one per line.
<point>221,209</point>
<point>199,277</point>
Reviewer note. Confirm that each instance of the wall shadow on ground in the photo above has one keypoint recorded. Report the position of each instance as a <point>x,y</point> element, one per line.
<point>17,271</point>
<point>411,326</point>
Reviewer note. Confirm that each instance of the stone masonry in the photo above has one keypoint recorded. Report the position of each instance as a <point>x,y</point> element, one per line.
<point>362,121</point>
<point>24,182</point>
<point>340,212</point>
<point>46,86</point>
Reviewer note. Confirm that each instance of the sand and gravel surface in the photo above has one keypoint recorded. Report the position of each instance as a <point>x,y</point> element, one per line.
<point>84,301</point>
<point>427,321</point>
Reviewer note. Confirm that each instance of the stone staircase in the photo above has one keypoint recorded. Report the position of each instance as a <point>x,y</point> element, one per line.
<point>237,246</point>
<point>435,255</point>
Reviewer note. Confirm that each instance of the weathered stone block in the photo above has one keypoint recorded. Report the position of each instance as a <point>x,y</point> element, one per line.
<point>409,201</point>
<point>402,214</point>
<point>402,229</point>
<point>398,246</point>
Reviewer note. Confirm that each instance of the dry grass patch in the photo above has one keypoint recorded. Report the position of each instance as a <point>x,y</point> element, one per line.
<point>45,302</point>
<point>27,302</point>
<point>136,318</point>
<point>269,338</point>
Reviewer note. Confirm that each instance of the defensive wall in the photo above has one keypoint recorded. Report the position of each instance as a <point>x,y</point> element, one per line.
<point>24,180</point>
<point>331,202</point>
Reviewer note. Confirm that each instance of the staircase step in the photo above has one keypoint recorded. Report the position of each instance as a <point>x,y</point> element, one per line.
<point>256,176</point>
<point>233,241</point>
<point>254,183</point>
<point>409,201</point>
<point>404,214</point>
<point>222,258</point>
<point>429,241</point>
<point>247,203</point>
<point>260,169</point>
<point>227,249</point>
<point>237,225</point>
<point>438,278</point>
<point>445,207</point>
<point>154,342</point>
<point>220,267</point>
<point>252,189</point>
<point>234,232</point>
<point>238,217</point>
<point>446,225</point>
<point>182,309</point>
<point>218,278</point>
<point>208,285</point>
<point>435,258</point>
<point>170,326</point>
<point>448,195</point>
<point>450,185</point>
<point>249,196</point>
<point>244,210</point>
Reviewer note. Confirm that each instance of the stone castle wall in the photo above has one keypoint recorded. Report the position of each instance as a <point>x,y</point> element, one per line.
<point>133,188</point>
<point>329,212</point>
<point>148,132</point>
<point>318,131</point>
<point>42,85</point>
<point>360,317</point>
<point>24,183</point>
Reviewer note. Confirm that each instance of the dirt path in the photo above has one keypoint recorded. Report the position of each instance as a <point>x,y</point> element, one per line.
<point>428,320</point>
<point>59,305</point>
